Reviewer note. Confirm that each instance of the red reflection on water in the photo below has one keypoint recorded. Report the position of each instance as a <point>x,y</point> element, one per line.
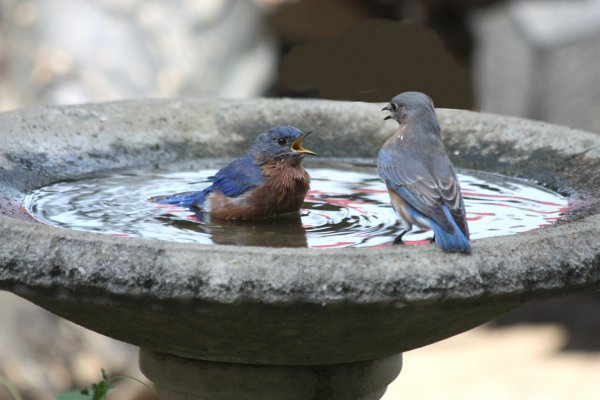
<point>414,242</point>
<point>316,192</point>
<point>344,203</point>
<point>548,215</point>
<point>504,196</point>
<point>369,191</point>
<point>476,216</point>
<point>193,218</point>
<point>168,207</point>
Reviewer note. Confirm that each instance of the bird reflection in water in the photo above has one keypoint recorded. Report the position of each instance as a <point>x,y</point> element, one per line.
<point>285,230</point>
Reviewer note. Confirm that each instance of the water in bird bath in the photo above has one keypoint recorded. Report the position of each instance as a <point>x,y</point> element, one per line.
<point>347,206</point>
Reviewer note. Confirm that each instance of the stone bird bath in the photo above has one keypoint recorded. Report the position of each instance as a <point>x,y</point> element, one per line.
<point>236,322</point>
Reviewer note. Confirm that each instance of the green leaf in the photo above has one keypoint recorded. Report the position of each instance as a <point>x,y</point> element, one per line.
<point>100,390</point>
<point>97,391</point>
<point>73,395</point>
<point>11,388</point>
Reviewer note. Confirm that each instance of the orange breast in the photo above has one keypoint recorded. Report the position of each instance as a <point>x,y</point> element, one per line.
<point>283,191</point>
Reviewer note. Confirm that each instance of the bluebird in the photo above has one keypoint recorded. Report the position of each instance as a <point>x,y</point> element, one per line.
<point>419,175</point>
<point>267,181</point>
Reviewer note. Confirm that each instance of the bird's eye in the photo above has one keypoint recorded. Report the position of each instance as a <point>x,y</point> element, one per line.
<point>394,106</point>
<point>281,141</point>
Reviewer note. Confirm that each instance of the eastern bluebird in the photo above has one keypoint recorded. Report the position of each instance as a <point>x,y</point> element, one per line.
<point>419,175</point>
<point>267,181</point>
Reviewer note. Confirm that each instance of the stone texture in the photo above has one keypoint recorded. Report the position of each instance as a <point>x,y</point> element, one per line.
<point>178,379</point>
<point>283,306</point>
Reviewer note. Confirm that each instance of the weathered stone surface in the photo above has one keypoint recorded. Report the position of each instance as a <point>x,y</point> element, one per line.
<point>183,379</point>
<point>283,306</point>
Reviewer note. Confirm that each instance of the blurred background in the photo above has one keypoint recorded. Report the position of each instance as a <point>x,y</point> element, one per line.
<point>537,59</point>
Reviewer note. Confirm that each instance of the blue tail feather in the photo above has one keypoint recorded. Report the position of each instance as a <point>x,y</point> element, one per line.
<point>184,199</point>
<point>451,241</point>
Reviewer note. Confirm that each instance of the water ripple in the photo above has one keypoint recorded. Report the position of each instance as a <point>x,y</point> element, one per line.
<point>344,208</point>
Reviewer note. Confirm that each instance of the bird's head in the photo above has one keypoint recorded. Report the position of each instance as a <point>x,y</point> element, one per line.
<point>408,103</point>
<point>281,142</point>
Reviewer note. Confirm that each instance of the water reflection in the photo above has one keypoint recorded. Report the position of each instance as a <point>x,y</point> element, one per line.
<point>347,206</point>
<point>282,231</point>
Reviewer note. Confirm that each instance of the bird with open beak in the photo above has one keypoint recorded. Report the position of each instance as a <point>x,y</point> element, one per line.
<point>420,177</point>
<point>267,181</point>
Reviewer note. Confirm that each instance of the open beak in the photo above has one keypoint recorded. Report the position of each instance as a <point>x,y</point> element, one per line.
<point>297,145</point>
<point>387,108</point>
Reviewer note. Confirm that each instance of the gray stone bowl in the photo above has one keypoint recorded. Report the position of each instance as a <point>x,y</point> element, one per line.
<point>283,306</point>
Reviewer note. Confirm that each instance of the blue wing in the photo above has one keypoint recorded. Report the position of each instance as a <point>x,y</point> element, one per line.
<point>237,178</point>
<point>450,241</point>
<point>426,186</point>
<point>232,180</point>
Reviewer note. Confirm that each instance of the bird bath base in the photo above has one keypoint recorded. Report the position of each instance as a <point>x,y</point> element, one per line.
<point>177,378</point>
<point>246,322</point>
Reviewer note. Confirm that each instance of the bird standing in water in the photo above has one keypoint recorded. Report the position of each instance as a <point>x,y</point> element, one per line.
<point>419,175</point>
<point>267,181</point>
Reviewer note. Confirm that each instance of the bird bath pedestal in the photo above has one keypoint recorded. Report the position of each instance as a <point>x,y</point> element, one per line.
<point>238,322</point>
<point>184,378</point>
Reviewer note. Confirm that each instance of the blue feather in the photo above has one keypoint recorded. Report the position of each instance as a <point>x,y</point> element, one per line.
<point>238,177</point>
<point>232,180</point>
<point>184,199</point>
<point>245,174</point>
<point>450,241</point>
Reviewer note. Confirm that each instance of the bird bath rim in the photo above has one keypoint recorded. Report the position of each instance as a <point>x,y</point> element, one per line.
<point>297,306</point>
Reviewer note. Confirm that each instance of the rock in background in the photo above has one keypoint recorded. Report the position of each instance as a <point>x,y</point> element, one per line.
<point>73,51</point>
<point>540,60</point>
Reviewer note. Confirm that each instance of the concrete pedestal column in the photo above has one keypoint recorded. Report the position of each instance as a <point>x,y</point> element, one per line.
<point>177,378</point>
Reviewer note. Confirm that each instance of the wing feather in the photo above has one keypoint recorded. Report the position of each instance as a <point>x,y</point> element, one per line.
<point>422,188</point>
<point>237,177</point>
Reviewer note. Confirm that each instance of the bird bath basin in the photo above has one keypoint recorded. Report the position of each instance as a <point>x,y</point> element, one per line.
<point>231,322</point>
